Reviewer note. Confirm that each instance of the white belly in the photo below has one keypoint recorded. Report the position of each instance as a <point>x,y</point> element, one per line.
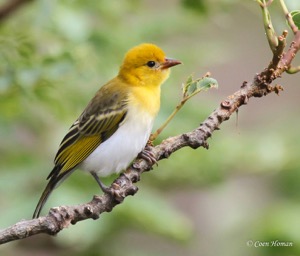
<point>117,152</point>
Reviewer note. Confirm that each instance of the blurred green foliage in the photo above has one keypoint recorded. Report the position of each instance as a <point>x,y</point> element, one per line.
<point>199,6</point>
<point>54,55</point>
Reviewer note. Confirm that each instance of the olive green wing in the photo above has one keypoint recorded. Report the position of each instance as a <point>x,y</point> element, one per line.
<point>95,125</point>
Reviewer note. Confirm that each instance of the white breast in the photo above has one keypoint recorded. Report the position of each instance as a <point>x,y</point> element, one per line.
<point>116,153</point>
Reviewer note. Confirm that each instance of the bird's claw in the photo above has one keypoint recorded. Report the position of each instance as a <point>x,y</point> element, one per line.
<point>148,155</point>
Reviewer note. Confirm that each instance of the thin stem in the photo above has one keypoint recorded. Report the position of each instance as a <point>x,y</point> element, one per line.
<point>270,32</point>
<point>163,126</point>
<point>187,94</point>
<point>288,16</point>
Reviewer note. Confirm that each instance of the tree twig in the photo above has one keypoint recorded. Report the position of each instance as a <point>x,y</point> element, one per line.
<point>288,17</point>
<point>186,95</point>
<point>294,28</point>
<point>11,6</point>
<point>270,31</point>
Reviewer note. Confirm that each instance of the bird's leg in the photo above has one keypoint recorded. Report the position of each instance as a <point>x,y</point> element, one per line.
<point>103,187</point>
<point>114,191</point>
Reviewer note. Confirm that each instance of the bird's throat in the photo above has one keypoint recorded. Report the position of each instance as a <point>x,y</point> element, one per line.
<point>146,99</point>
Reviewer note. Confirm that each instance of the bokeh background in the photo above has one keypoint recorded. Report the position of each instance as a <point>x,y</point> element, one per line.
<point>54,55</point>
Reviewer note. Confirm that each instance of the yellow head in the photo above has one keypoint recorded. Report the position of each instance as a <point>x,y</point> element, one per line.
<point>146,65</point>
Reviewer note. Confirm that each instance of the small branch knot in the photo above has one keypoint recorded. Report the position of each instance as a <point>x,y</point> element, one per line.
<point>226,104</point>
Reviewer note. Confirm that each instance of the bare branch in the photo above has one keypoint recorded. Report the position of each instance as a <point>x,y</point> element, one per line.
<point>11,6</point>
<point>295,46</point>
<point>286,60</point>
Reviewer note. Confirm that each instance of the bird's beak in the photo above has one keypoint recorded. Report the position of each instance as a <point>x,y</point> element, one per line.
<point>169,63</point>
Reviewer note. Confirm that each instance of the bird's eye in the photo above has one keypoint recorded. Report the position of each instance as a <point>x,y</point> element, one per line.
<point>151,63</point>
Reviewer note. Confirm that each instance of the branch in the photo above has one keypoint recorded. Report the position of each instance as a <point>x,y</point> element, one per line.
<point>288,17</point>
<point>10,7</point>
<point>61,217</point>
<point>294,28</point>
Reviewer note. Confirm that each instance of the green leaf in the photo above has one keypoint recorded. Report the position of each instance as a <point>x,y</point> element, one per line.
<point>187,84</point>
<point>296,18</point>
<point>192,87</point>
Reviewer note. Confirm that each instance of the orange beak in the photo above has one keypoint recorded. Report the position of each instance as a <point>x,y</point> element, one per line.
<point>169,63</point>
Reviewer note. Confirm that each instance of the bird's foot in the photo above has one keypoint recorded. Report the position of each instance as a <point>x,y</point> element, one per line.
<point>148,155</point>
<point>113,190</point>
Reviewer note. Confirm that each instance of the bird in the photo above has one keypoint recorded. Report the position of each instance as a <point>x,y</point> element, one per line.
<point>116,124</point>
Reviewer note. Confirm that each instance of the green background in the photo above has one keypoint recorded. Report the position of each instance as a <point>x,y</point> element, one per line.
<point>54,55</point>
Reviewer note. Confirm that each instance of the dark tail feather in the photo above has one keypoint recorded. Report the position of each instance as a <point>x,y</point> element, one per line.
<point>44,197</point>
<point>53,183</point>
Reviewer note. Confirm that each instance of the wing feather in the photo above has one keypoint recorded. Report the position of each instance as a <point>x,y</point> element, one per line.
<point>95,125</point>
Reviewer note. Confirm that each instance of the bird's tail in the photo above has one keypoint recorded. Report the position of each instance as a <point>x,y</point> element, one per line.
<point>54,181</point>
<point>44,197</point>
